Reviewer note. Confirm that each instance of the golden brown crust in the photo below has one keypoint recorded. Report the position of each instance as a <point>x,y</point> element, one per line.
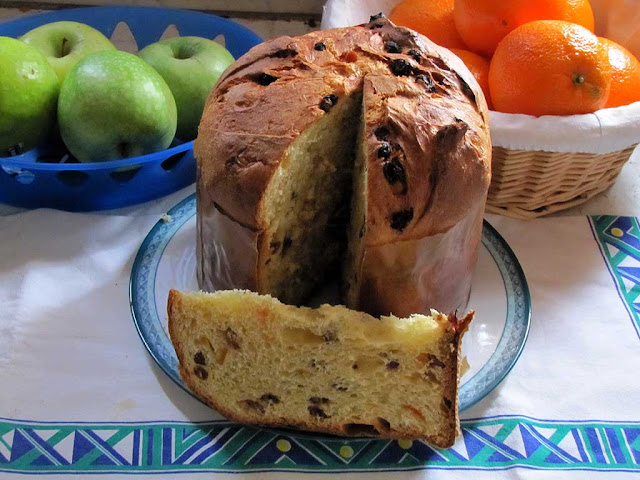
<point>241,141</point>
<point>440,143</point>
<point>172,305</point>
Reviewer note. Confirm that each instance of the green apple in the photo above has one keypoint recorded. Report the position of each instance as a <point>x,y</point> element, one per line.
<point>66,43</point>
<point>191,66</point>
<point>114,105</point>
<point>28,95</point>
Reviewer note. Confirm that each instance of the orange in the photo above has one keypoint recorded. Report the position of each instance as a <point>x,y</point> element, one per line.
<point>432,18</point>
<point>625,75</point>
<point>618,20</point>
<point>483,23</point>
<point>479,67</point>
<point>549,67</point>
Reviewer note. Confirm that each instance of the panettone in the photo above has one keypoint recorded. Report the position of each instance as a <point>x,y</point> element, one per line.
<point>328,369</point>
<point>363,150</point>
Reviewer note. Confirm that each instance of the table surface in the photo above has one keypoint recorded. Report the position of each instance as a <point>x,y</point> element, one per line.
<point>623,198</point>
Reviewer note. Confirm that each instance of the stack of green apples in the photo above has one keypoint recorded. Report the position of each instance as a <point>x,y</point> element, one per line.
<point>106,104</point>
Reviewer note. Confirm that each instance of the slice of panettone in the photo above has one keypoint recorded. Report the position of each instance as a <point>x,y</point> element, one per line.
<point>329,369</point>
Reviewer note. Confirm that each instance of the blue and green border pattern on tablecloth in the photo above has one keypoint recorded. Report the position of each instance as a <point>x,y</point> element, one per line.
<point>619,242</point>
<point>496,443</point>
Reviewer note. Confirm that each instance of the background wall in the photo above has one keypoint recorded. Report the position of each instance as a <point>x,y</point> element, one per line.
<point>268,18</point>
<point>262,6</point>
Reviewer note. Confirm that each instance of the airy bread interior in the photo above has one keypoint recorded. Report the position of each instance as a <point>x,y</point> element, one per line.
<point>307,205</point>
<point>329,369</point>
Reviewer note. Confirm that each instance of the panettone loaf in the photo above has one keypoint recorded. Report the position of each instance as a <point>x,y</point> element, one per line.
<point>328,369</point>
<point>280,139</point>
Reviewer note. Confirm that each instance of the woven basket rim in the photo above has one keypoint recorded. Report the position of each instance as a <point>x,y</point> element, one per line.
<point>632,146</point>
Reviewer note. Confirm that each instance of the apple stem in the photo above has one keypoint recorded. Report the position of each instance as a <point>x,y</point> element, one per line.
<point>64,50</point>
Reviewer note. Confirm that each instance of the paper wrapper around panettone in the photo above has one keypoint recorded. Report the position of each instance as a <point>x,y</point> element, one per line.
<point>435,271</point>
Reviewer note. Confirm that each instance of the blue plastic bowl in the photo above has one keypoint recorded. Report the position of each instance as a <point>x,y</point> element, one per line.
<point>40,178</point>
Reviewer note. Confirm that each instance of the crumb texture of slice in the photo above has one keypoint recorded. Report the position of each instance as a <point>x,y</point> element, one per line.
<point>329,369</point>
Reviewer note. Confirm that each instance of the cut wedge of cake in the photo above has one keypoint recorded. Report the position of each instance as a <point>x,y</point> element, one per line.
<point>330,369</point>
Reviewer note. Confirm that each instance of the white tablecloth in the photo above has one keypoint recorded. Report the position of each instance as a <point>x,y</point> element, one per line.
<point>79,395</point>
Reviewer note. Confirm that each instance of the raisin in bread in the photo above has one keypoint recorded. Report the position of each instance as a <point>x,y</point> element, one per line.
<point>363,150</point>
<point>330,369</point>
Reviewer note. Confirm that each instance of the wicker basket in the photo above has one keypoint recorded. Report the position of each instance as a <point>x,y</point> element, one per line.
<point>529,183</point>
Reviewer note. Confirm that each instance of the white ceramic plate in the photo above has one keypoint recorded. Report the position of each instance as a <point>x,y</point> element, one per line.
<point>499,295</point>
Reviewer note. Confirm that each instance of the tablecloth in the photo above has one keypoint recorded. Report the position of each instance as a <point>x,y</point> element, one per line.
<point>80,396</point>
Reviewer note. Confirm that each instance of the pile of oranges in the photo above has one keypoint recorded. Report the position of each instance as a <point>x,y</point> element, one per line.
<point>538,57</point>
